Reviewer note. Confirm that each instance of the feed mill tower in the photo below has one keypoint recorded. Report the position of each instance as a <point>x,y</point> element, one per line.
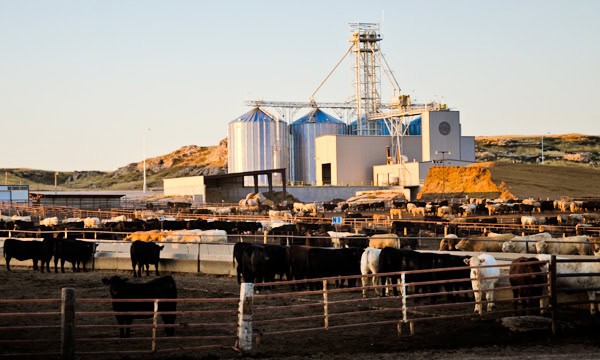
<point>369,142</point>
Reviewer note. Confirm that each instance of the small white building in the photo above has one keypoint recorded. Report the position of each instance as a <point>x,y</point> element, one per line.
<point>14,193</point>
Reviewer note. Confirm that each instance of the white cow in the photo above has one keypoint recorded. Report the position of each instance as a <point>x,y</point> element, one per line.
<point>517,243</point>
<point>532,220</point>
<point>49,221</point>
<point>90,222</point>
<point>480,280</point>
<point>572,245</point>
<point>578,282</point>
<point>336,236</point>
<point>369,264</point>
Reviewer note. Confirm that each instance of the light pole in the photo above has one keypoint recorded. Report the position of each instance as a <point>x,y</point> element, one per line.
<point>145,186</point>
<point>443,152</point>
<point>543,148</point>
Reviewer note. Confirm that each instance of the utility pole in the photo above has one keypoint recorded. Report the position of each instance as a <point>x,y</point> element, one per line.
<point>145,186</point>
<point>443,152</point>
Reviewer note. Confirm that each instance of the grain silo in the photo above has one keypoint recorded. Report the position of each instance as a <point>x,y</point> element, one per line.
<point>304,131</point>
<point>257,141</point>
<point>412,126</point>
<point>368,127</point>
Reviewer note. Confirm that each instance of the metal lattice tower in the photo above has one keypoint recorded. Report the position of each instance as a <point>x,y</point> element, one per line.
<point>366,80</point>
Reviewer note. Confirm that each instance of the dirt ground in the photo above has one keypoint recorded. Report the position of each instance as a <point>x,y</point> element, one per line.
<point>461,338</point>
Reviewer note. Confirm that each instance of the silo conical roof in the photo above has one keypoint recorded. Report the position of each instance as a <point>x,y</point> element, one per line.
<point>254,115</point>
<point>317,116</point>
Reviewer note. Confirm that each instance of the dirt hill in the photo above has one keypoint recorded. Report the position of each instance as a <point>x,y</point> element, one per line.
<point>507,180</point>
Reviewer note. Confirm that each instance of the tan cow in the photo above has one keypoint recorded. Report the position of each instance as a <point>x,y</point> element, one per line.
<point>152,235</point>
<point>380,241</point>
<point>480,244</point>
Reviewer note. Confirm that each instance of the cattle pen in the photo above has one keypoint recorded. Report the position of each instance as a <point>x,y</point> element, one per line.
<point>254,318</point>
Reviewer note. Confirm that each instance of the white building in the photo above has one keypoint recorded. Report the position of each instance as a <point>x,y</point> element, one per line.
<point>351,160</point>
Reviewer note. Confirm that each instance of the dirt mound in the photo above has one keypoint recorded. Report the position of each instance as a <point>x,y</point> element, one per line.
<point>474,181</point>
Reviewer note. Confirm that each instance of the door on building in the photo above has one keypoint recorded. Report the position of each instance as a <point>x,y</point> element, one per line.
<point>326,173</point>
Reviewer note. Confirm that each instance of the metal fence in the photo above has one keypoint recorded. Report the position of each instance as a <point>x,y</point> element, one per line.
<point>265,312</point>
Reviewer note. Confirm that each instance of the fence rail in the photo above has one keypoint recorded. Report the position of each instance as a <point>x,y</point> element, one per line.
<point>265,315</point>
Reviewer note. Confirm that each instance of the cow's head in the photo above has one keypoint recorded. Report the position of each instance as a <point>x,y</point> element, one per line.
<point>114,281</point>
<point>541,247</point>
<point>463,244</point>
<point>473,262</point>
<point>596,246</point>
<point>508,246</point>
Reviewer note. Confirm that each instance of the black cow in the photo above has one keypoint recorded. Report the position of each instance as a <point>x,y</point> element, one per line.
<point>144,254</point>
<point>76,252</point>
<point>260,263</point>
<point>238,258</point>
<point>325,262</point>
<point>48,250</point>
<point>296,257</point>
<point>22,250</point>
<point>160,288</point>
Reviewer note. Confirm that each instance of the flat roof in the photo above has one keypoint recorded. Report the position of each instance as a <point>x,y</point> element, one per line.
<point>111,194</point>
<point>245,173</point>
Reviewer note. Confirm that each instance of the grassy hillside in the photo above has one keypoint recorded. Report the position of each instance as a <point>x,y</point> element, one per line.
<point>567,149</point>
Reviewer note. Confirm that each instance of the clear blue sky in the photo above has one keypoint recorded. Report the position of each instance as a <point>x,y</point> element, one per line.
<point>80,81</point>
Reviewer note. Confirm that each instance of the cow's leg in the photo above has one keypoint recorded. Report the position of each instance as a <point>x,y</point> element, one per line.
<point>515,299</point>
<point>156,269</point>
<point>489,296</point>
<point>477,295</point>
<point>7,259</point>
<point>133,267</point>
<point>35,264</point>
<point>62,265</point>
<point>147,265</point>
<point>592,297</point>
<point>365,282</point>
<point>55,264</point>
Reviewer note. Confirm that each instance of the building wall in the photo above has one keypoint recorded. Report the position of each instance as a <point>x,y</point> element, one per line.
<point>306,194</point>
<point>14,193</point>
<point>412,147</point>
<point>190,185</point>
<point>351,157</point>
<point>467,148</point>
<point>434,140</point>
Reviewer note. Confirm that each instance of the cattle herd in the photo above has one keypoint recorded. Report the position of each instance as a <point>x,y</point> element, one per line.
<point>305,250</point>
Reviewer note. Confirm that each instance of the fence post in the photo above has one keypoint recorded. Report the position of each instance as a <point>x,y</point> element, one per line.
<point>325,306</point>
<point>553,294</point>
<point>154,325</point>
<point>67,323</point>
<point>480,292</point>
<point>198,259</point>
<point>244,342</point>
<point>403,289</point>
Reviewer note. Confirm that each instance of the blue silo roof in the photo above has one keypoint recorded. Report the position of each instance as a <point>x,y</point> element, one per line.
<point>317,116</point>
<point>254,115</point>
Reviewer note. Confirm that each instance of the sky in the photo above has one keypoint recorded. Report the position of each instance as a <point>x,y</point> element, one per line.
<point>84,83</point>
